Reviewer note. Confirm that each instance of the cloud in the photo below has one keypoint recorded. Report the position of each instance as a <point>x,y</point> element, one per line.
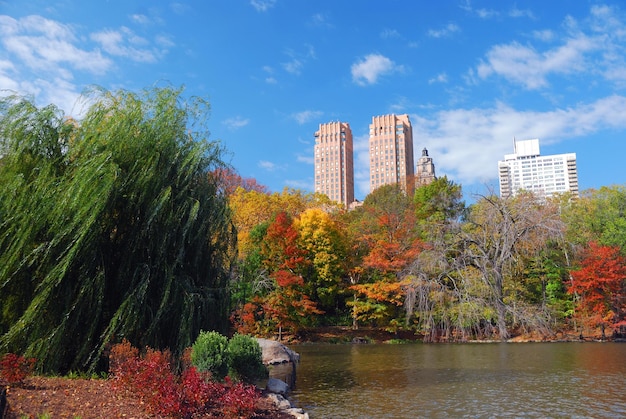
<point>124,43</point>
<point>294,66</point>
<point>43,44</point>
<point>269,166</point>
<point>445,32</point>
<point>369,69</point>
<point>321,20</point>
<point>467,143</point>
<point>440,78</point>
<point>262,5</point>
<point>390,34</point>
<point>139,18</point>
<point>517,13</point>
<point>522,64</point>
<point>308,159</point>
<point>306,116</point>
<point>236,122</point>
<point>298,59</point>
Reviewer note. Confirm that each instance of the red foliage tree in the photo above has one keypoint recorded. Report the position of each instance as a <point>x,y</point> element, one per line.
<point>230,180</point>
<point>600,283</point>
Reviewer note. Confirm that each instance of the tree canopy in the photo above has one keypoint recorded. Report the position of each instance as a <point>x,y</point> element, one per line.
<point>111,227</point>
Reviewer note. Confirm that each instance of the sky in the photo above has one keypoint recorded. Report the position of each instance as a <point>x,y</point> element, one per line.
<point>473,75</point>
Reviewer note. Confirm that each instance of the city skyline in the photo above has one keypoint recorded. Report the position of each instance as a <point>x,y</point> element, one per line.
<point>471,74</point>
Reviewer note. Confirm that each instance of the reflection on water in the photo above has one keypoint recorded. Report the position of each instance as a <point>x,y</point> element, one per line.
<point>462,380</point>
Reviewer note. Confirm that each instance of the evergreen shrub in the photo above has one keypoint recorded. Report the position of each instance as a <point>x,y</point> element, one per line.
<point>208,354</point>
<point>245,359</point>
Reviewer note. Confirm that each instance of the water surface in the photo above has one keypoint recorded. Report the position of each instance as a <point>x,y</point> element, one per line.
<point>585,380</point>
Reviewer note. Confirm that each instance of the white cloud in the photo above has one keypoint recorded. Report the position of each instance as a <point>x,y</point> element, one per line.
<point>446,31</point>
<point>294,66</point>
<point>270,166</point>
<point>467,143</point>
<point>440,78</point>
<point>139,18</point>
<point>236,122</point>
<point>43,44</point>
<point>307,116</point>
<point>262,5</point>
<point>590,47</point>
<point>526,66</point>
<point>370,68</point>
<point>515,12</point>
<point>545,35</point>
<point>321,20</point>
<point>390,34</point>
<point>308,159</point>
<point>124,43</point>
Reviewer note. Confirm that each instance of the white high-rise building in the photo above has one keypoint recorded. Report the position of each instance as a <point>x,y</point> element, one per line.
<point>527,170</point>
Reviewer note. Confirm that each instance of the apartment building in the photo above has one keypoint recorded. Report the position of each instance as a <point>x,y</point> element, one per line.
<point>334,167</point>
<point>391,152</point>
<point>527,170</point>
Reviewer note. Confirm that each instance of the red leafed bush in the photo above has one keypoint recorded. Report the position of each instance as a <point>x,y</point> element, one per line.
<point>15,368</point>
<point>240,400</point>
<point>151,378</point>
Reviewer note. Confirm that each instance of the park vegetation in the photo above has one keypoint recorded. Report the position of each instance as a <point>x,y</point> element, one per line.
<point>126,225</point>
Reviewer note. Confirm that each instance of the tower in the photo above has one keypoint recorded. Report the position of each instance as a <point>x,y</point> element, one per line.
<point>334,167</point>
<point>425,170</point>
<point>391,152</point>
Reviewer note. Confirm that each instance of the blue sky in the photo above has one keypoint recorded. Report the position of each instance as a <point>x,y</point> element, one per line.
<point>471,74</point>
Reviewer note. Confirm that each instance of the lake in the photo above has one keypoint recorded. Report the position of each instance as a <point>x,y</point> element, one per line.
<point>577,379</point>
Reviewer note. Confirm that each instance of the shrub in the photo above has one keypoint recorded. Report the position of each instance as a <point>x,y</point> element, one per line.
<point>190,395</point>
<point>245,359</point>
<point>209,354</point>
<point>15,368</point>
<point>240,400</point>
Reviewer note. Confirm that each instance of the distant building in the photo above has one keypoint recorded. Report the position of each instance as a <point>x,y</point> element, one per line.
<point>527,170</point>
<point>391,152</point>
<point>334,167</point>
<point>425,170</point>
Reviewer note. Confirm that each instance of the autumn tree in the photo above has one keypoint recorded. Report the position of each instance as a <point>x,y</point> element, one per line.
<point>598,215</point>
<point>111,227</point>
<point>324,248</point>
<point>389,232</point>
<point>286,304</point>
<point>438,202</point>
<point>497,233</point>
<point>229,180</point>
<point>600,284</point>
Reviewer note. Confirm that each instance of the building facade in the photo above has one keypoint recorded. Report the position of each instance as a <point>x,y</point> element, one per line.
<point>334,164</point>
<point>527,170</point>
<point>425,170</point>
<point>391,152</point>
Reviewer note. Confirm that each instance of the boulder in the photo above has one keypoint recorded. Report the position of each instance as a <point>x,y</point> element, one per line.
<point>276,353</point>
<point>279,401</point>
<point>274,385</point>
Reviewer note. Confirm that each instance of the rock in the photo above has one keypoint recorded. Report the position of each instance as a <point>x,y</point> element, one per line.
<point>276,353</point>
<point>274,385</point>
<point>279,401</point>
<point>297,413</point>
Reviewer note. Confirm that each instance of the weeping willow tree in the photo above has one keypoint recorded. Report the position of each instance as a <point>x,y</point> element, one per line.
<point>111,227</point>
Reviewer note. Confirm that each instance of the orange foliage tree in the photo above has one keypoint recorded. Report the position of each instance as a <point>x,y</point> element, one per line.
<point>601,284</point>
<point>287,304</point>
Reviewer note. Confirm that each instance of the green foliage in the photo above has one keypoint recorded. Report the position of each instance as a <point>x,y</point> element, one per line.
<point>209,354</point>
<point>245,359</point>
<point>110,227</point>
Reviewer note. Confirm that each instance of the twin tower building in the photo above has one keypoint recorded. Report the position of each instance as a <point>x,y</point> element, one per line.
<point>390,158</point>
